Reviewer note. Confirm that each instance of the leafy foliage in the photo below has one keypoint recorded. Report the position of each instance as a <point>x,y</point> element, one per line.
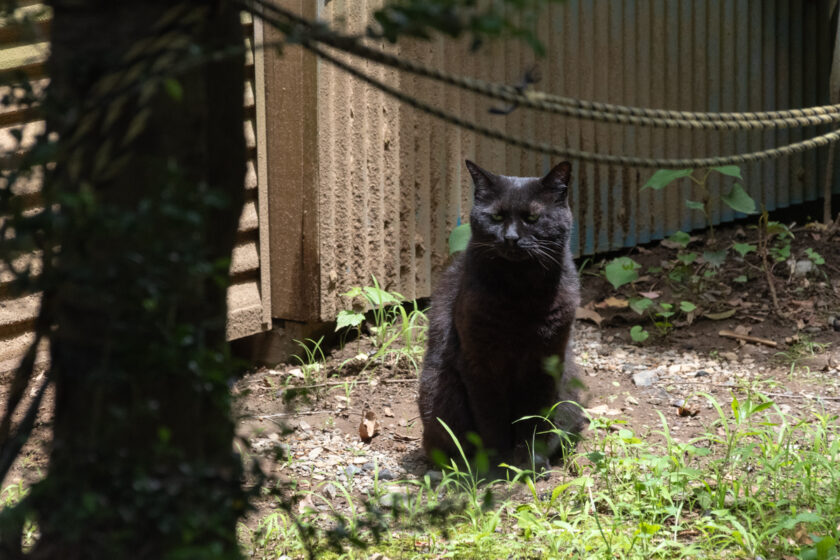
<point>459,238</point>
<point>621,271</point>
<point>507,19</point>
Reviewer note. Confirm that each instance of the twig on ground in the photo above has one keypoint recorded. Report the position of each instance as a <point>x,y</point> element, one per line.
<point>293,414</point>
<point>748,338</point>
<point>763,240</point>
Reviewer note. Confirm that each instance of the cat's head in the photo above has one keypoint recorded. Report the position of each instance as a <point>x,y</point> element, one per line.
<point>521,218</point>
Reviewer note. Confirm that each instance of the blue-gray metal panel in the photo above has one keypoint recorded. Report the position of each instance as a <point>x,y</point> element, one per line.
<point>768,69</point>
<point>628,143</point>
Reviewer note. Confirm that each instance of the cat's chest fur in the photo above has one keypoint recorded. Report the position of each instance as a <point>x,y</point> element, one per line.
<point>513,328</point>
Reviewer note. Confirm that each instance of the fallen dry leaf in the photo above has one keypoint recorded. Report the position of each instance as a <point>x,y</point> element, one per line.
<point>720,316</point>
<point>388,412</point>
<point>582,313</point>
<point>686,411</point>
<point>800,533</point>
<point>602,410</point>
<point>368,427</point>
<point>613,302</point>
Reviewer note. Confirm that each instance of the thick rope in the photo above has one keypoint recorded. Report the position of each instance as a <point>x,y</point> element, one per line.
<point>576,108</point>
<point>626,161</point>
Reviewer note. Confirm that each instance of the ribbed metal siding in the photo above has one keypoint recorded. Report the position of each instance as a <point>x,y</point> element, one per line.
<point>247,312</point>
<point>392,184</point>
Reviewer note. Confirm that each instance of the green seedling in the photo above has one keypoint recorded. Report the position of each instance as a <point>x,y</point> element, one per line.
<point>621,271</point>
<point>638,334</point>
<point>737,198</point>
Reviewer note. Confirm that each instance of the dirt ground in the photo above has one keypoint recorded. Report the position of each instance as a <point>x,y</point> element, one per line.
<point>796,363</point>
<point>302,424</point>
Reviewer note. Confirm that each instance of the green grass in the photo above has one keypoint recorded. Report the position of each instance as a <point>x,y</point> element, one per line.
<point>758,482</point>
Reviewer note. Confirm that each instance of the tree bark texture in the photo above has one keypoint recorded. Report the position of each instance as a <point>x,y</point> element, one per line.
<point>149,181</point>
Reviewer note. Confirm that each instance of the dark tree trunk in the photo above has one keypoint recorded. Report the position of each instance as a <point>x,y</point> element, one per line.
<point>150,181</point>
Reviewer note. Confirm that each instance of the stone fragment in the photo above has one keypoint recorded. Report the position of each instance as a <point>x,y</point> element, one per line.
<point>645,378</point>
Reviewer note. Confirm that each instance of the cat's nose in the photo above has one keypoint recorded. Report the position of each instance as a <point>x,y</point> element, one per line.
<point>511,236</point>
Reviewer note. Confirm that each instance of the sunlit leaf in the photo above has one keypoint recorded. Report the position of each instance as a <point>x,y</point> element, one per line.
<point>739,200</point>
<point>665,177</point>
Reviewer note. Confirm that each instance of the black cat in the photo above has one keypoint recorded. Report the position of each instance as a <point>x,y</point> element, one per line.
<point>501,323</point>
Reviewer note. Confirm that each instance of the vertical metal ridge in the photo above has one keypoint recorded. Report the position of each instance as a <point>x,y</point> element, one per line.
<point>769,64</point>
<point>644,145</point>
<point>754,178</point>
<point>565,132</point>
<point>808,60</point>
<point>714,97</point>
<point>618,201</point>
<point>728,94</point>
<point>585,90</point>
<point>659,217</point>
<point>742,89</point>
<point>686,71</point>
<point>797,162</point>
<point>628,143</point>
<point>603,223</point>
<point>699,85</point>
<point>783,87</point>
<point>674,195</point>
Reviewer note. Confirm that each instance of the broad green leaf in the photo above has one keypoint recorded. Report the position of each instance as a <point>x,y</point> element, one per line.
<point>739,200</point>
<point>649,528</point>
<point>715,258</point>
<point>742,279</point>
<point>353,292</point>
<point>687,258</point>
<point>743,248</point>
<point>730,170</point>
<point>378,296</point>
<point>459,238</point>
<point>664,177</point>
<point>640,305</point>
<point>694,205</point>
<point>638,334</point>
<point>621,271</point>
<point>687,306</point>
<point>826,549</point>
<point>347,318</point>
<point>815,257</point>
<point>681,238</point>
<point>778,228</point>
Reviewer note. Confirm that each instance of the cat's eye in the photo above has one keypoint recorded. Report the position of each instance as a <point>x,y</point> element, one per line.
<point>532,218</point>
<point>497,217</point>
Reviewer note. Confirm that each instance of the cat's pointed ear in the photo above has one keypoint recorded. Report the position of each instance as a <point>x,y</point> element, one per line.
<point>559,177</point>
<point>483,180</point>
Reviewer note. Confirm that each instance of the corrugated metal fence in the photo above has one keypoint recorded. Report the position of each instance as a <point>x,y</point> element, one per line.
<point>390,183</point>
